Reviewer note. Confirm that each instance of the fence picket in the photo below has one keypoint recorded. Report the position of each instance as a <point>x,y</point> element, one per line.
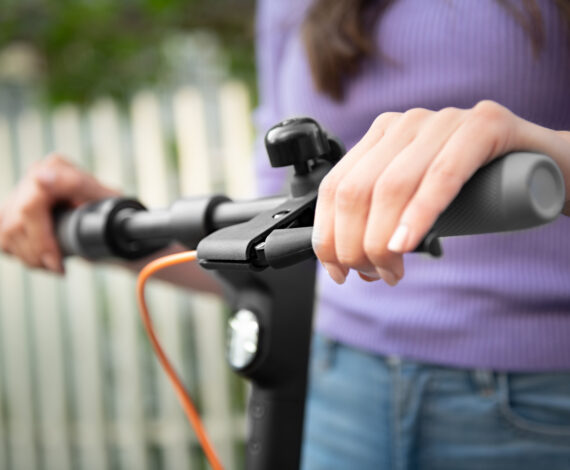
<point>236,139</point>
<point>191,138</point>
<point>83,307</point>
<point>195,179</point>
<point>18,374</point>
<point>124,324</point>
<point>15,345</point>
<point>152,181</point>
<point>46,329</point>
<point>3,422</point>
<point>5,183</point>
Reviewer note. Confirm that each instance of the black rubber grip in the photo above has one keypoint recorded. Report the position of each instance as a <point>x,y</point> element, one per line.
<point>520,190</point>
<point>92,230</point>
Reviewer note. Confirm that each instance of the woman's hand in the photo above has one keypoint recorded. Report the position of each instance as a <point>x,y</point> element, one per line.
<point>26,228</point>
<point>381,199</point>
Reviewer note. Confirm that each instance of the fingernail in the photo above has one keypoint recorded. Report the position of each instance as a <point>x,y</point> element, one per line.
<point>368,276</point>
<point>337,274</point>
<point>388,276</point>
<point>51,263</point>
<point>315,238</point>
<point>398,241</point>
<point>47,176</point>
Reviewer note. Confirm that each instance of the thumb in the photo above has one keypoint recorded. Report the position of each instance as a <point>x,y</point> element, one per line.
<point>69,184</point>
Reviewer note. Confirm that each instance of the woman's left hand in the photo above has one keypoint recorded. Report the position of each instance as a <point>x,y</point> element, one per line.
<point>381,199</point>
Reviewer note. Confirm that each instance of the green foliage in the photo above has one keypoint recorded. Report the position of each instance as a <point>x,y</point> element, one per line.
<point>88,48</point>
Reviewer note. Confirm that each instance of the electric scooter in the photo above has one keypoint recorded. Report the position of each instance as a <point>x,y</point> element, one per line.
<point>262,251</point>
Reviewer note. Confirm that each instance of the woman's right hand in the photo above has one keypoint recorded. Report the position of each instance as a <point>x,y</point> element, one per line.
<point>26,226</point>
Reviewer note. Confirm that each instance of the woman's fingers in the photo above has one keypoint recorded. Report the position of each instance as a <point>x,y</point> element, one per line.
<point>64,182</point>
<point>354,193</point>
<point>323,232</point>
<point>490,126</point>
<point>384,199</point>
<point>42,240</point>
<point>26,227</point>
<point>397,184</point>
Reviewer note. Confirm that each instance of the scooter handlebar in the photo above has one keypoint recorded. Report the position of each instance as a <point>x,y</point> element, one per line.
<point>518,191</point>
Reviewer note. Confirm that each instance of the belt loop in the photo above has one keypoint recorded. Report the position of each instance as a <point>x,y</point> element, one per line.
<point>329,349</point>
<point>485,381</point>
<point>393,361</point>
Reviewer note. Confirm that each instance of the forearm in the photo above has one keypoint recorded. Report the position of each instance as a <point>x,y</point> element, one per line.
<point>187,275</point>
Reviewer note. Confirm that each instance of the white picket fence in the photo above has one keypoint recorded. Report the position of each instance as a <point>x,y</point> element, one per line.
<point>79,386</point>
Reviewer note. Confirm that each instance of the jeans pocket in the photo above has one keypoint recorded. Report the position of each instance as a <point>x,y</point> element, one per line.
<point>536,404</point>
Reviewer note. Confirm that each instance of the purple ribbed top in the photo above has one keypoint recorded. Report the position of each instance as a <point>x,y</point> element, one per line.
<point>493,301</point>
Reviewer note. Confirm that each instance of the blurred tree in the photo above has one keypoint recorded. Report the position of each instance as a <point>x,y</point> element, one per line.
<point>88,48</point>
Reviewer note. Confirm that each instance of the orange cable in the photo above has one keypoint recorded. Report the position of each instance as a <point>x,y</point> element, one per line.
<point>179,388</point>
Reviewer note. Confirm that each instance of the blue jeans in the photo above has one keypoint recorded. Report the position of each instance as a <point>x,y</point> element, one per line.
<point>370,412</point>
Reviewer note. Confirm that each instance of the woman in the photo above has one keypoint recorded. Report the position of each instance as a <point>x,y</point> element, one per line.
<point>465,363</point>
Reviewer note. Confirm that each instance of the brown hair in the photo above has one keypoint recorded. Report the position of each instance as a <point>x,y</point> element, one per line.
<point>338,36</point>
